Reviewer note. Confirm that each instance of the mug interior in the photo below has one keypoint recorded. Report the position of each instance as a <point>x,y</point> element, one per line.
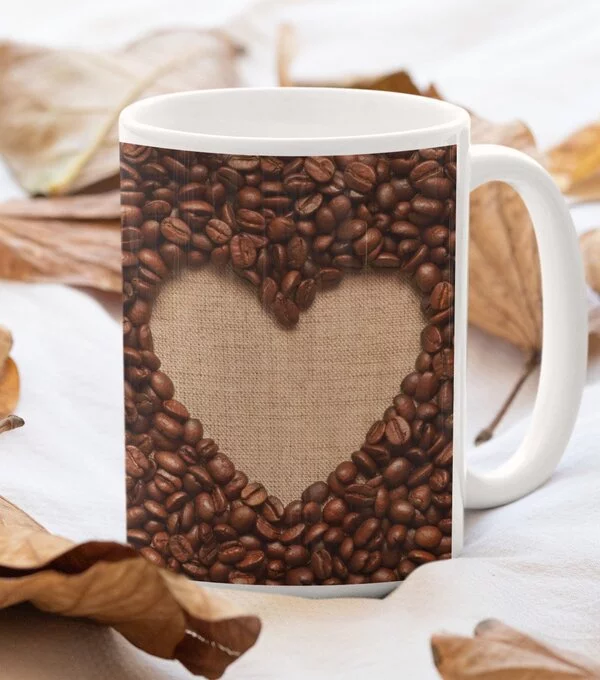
<point>222,120</point>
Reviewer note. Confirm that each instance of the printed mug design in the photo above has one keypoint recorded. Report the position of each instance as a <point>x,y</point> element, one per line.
<point>293,230</point>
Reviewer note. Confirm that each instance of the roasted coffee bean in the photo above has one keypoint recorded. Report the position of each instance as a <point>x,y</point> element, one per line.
<point>242,519</point>
<point>367,244</point>
<point>311,513</point>
<point>321,564</point>
<point>366,531</point>
<point>334,511</point>
<point>378,452</point>
<point>218,231</point>
<point>352,230</point>
<point>273,510</point>
<point>308,205</point>
<point>243,251</point>
<point>252,561</point>
<point>364,463</point>
<point>254,494</point>
<point>346,472</point>
<point>231,552</point>
<point>360,496</point>
<point>405,407</point>
<point>382,501</point>
<point>315,532</point>
<point>285,311</point>
<point>445,397</point>
<point>360,177</point>
<point>224,532</point>
<point>220,468</point>
<point>305,294</point>
<point>397,431</point>
<point>321,169</point>
<point>427,386</point>
<point>427,276</point>
<point>168,426</point>
<point>290,282</point>
<point>301,576</point>
<point>401,512</point>
<point>420,497</point>
<point>439,479</point>
<point>266,530</point>
<point>162,385</point>
<point>318,492</point>
<point>421,556</point>
<point>441,296</point>
<point>376,432</point>
<point>431,339</point>
<point>397,472</point>
<point>296,555</point>
<point>293,533</point>
<point>171,462</point>
<point>428,537</point>
<point>234,486</point>
<point>420,475</point>
<point>137,463</point>
<point>443,364</point>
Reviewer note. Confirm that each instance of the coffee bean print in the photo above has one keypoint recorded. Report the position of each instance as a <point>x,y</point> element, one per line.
<point>293,229</point>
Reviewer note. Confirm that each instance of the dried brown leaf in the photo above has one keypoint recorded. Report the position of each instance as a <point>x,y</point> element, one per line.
<point>164,614</point>
<point>590,250</point>
<point>9,387</point>
<point>13,517</point>
<point>6,343</point>
<point>100,206</point>
<point>78,252</point>
<point>505,297</point>
<point>575,164</point>
<point>59,108</point>
<point>499,652</point>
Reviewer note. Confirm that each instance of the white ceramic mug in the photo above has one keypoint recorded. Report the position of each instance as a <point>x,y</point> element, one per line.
<point>186,159</point>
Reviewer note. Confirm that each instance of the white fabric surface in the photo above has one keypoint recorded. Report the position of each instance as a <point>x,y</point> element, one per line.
<point>533,564</point>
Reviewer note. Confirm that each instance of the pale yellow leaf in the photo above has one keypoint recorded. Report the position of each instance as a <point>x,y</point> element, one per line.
<point>498,652</point>
<point>575,163</point>
<point>59,108</point>
<point>78,252</point>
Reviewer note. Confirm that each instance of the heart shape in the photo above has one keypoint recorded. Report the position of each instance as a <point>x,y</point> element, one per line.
<point>291,228</point>
<point>307,396</point>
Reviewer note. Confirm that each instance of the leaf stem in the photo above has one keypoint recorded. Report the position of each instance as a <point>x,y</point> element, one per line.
<point>10,423</point>
<point>531,364</point>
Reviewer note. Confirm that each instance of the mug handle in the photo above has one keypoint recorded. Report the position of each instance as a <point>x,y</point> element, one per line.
<point>564,335</point>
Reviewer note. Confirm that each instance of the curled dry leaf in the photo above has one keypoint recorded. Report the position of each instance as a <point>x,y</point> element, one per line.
<point>164,614</point>
<point>9,378</point>
<point>502,653</point>
<point>59,108</point>
<point>78,252</point>
<point>590,250</point>
<point>575,164</point>
<point>9,387</point>
<point>98,206</point>
<point>505,285</point>
<point>13,517</point>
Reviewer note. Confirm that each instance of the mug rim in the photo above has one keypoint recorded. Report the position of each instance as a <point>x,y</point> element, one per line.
<point>139,124</point>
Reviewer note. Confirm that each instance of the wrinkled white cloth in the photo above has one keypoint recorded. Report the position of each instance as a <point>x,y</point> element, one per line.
<point>534,563</point>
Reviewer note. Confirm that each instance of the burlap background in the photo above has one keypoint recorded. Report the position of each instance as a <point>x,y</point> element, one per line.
<point>287,406</point>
